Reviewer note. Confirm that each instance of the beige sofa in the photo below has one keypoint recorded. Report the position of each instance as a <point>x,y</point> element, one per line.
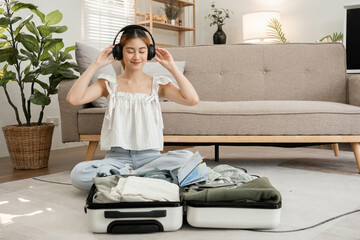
<point>272,94</point>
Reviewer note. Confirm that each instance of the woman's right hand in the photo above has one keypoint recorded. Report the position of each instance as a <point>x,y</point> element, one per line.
<point>102,59</point>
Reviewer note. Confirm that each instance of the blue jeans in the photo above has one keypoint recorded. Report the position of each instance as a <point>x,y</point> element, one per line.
<point>127,162</point>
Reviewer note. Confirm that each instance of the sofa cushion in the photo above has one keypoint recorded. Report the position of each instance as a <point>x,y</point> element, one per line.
<point>246,72</point>
<point>261,118</point>
<point>246,118</point>
<point>85,55</point>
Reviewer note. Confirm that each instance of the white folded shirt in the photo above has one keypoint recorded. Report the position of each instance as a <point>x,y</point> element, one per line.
<point>140,189</point>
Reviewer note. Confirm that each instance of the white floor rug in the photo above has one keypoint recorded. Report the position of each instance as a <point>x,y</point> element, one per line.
<point>31,209</point>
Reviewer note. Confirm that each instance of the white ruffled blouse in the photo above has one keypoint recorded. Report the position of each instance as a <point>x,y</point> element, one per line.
<point>132,121</point>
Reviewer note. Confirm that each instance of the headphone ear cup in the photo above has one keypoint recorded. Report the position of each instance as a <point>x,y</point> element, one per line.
<point>117,52</point>
<point>151,52</point>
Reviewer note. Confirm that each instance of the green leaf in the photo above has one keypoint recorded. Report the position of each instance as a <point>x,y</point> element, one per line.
<point>68,65</point>
<point>66,57</point>
<point>7,76</point>
<point>58,29</point>
<point>19,6</point>
<point>53,18</point>
<point>32,28</point>
<point>4,22</point>
<point>30,77</point>
<point>14,20</point>
<point>39,98</point>
<point>67,73</point>
<point>4,44</point>
<point>31,56</point>
<point>48,67</point>
<point>12,3</point>
<point>39,14</point>
<point>29,42</point>
<point>47,30</point>
<point>67,50</point>
<point>27,69</point>
<point>42,84</point>
<point>22,24</point>
<point>3,36</point>
<point>6,54</point>
<point>56,48</point>
<point>50,43</point>
<point>45,56</point>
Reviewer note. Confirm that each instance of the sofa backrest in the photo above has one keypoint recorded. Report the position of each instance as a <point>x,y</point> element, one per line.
<point>293,71</point>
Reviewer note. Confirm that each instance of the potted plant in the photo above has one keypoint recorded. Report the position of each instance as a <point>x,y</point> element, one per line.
<point>28,54</point>
<point>217,17</point>
<point>172,11</point>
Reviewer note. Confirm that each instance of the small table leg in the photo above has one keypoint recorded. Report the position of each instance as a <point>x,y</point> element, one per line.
<point>216,153</point>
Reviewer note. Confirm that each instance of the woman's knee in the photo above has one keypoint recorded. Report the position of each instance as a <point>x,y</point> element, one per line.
<point>81,176</point>
<point>184,154</point>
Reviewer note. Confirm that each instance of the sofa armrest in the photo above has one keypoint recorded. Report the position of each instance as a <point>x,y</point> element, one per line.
<point>68,114</point>
<point>354,89</point>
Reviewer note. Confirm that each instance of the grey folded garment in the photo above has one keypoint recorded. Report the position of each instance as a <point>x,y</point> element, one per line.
<point>103,187</point>
<point>259,190</point>
<point>227,174</point>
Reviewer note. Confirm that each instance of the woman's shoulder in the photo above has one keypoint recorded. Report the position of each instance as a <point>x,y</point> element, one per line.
<point>107,77</point>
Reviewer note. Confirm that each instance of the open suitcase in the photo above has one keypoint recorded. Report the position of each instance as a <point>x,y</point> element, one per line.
<point>233,215</point>
<point>133,217</point>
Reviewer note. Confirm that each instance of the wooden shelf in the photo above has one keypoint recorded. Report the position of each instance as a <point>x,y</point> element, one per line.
<point>166,26</point>
<point>152,21</point>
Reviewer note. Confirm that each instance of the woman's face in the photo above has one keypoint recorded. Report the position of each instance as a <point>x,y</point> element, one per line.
<point>135,54</point>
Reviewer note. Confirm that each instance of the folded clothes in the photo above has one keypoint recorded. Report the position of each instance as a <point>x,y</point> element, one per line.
<point>141,189</point>
<point>258,190</point>
<point>115,188</point>
<point>227,174</point>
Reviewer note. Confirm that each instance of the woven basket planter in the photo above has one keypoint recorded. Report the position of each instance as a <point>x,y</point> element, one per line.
<point>29,147</point>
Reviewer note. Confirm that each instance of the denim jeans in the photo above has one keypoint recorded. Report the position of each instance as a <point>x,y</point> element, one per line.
<point>127,162</point>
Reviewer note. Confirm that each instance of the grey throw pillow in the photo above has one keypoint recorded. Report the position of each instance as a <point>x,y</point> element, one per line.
<point>85,55</point>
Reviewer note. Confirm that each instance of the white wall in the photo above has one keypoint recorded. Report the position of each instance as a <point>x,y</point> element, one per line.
<point>302,20</point>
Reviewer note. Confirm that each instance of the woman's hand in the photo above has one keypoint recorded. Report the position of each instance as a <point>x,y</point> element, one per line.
<point>102,59</point>
<point>164,58</point>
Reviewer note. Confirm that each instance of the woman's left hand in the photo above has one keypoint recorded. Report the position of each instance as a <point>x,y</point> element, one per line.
<point>164,58</point>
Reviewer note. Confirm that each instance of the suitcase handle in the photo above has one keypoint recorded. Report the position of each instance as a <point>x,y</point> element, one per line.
<point>118,214</point>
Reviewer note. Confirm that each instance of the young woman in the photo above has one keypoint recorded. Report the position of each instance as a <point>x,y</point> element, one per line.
<point>132,130</point>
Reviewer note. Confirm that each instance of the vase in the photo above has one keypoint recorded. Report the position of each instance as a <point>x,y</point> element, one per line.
<point>29,147</point>
<point>172,21</point>
<point>219,36</point>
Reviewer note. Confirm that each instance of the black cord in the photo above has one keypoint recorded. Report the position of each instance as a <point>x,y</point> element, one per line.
<point>42,180</point>
<point>306,228</point>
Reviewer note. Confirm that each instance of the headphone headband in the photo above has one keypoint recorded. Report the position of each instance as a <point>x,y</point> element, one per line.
<point>137,27</point>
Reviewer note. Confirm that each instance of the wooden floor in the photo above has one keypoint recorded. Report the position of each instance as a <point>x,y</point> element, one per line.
<point>60,160</point>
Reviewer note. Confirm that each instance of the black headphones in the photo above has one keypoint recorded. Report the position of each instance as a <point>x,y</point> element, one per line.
<point>117,50</point>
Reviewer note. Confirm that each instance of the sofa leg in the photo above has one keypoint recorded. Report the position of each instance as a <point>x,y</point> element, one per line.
<point>356,149</point>
<point>335,148</point>
<point>216,153</point>
<point>91,150</point>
